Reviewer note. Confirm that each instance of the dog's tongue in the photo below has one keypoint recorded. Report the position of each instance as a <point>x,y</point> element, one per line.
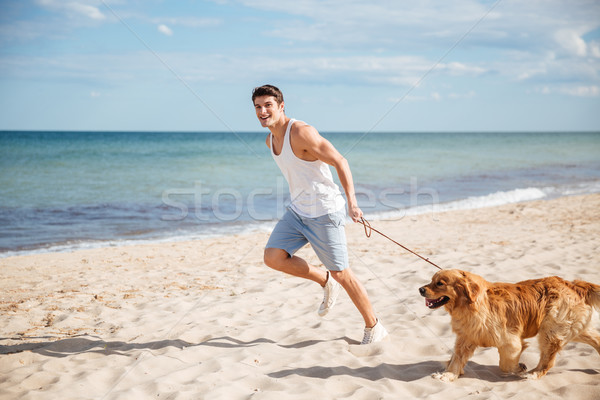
<point>429,302</point>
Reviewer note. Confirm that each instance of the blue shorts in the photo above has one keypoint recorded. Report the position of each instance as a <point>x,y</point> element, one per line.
<point>326,235</point>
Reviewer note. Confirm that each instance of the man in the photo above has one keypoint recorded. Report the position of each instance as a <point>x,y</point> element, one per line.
<point>316,214</point>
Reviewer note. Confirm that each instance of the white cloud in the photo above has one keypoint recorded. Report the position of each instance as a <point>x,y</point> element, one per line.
<point>577,91</point>
<point>514,40</point>
<point>409,98</point>
<point>288,65</point>
<point>86,10</point>
<point>74,8</point>
<point>533,44</point>
<point>190,22</point>
<point>165,30</point>
<point>456,96</point>
<point>94,94</point>
<point>457,68</point>
<point>582,91</point>
<point>571,41</point>
<point>594,47</point>
<point>437,24</point>
<point>435,96</point>
<point>359,24</point>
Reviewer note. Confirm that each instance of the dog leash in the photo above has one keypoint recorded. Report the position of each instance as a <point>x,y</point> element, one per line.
<point>369,228</point>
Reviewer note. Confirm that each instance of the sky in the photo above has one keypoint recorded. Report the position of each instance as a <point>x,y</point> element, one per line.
<point>360,66</point>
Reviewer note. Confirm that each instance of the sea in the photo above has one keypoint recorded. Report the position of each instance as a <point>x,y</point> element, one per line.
<point>61,191</point>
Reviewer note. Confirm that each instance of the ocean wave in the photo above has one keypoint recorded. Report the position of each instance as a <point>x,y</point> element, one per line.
<point>495,199</point>
<point>214,231</point>
<point>245,227</point>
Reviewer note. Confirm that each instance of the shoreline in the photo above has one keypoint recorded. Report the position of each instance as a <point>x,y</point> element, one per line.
<point>183,318</point>
<point>514,196</point>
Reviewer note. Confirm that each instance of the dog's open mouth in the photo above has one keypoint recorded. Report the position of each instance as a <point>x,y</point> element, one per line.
<point>435,303</point>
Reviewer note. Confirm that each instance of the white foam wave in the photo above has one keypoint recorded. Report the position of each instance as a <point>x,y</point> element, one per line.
<point>581,188</point>
<point>210,233</point>
<point>490,200</point>
<point>496,199</point>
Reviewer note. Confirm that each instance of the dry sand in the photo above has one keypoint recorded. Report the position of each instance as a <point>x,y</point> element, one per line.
<point>207,320</point>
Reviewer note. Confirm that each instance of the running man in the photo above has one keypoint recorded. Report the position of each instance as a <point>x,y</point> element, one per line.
<point>316,214</point>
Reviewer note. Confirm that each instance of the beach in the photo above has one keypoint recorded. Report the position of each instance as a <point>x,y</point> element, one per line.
<point>205,319</point>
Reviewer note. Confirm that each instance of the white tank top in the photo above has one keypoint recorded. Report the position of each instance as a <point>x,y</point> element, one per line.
<point>312,190</point>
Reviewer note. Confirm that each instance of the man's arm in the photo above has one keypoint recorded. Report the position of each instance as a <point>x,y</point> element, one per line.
<point>316,146</point>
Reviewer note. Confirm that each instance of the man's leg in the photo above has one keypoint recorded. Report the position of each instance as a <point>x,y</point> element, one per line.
<point>327,236</point>
<point>288,235</point>
<point>280,260</point>
<point>357,294</point>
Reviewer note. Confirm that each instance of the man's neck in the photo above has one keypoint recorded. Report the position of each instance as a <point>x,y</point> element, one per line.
<point>278,130</point>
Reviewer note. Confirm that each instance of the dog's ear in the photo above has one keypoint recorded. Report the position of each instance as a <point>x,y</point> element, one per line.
<point>468,288</point>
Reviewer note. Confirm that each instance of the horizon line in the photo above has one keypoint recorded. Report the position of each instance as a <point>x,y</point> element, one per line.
<point>266,131</point>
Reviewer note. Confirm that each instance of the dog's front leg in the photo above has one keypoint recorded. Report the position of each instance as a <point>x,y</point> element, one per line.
<point>510,352</point>
<point>463,350</point>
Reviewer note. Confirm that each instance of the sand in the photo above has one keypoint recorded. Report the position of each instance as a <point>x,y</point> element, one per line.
<point>207,320</point>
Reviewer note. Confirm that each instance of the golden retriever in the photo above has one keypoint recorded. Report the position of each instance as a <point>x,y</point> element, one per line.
<point>503,315</point>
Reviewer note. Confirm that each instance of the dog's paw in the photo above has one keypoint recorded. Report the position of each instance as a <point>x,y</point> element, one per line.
<point>445,376</point>
<point>531,375</point>
<point>518,369</point>
<point>523,372</point>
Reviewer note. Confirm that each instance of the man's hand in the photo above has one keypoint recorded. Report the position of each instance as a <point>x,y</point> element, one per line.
<point>355,213</point>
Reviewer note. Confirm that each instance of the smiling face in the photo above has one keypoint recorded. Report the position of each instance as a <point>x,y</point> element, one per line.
<point>450,288</point>
<point>268,111</point>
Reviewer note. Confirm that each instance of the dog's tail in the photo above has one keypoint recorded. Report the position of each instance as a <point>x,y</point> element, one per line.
<point>591,292</point>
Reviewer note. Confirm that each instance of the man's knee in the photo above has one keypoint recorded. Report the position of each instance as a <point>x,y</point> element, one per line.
<point>274,257</point>
<point>342,276</point>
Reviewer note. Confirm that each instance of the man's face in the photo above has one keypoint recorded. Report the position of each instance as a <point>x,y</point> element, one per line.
<point>268,111</point>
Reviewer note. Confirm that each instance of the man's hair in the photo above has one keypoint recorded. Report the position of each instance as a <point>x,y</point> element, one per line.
<point>268,90</point>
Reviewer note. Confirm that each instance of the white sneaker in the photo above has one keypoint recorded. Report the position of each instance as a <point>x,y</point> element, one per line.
<point>374,334</point>
<point>330,294</point>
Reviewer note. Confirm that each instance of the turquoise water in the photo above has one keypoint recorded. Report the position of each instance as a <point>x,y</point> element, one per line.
<point>77,189</point>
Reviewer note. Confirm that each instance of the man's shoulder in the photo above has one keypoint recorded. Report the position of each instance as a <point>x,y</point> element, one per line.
<point>303,131</point>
